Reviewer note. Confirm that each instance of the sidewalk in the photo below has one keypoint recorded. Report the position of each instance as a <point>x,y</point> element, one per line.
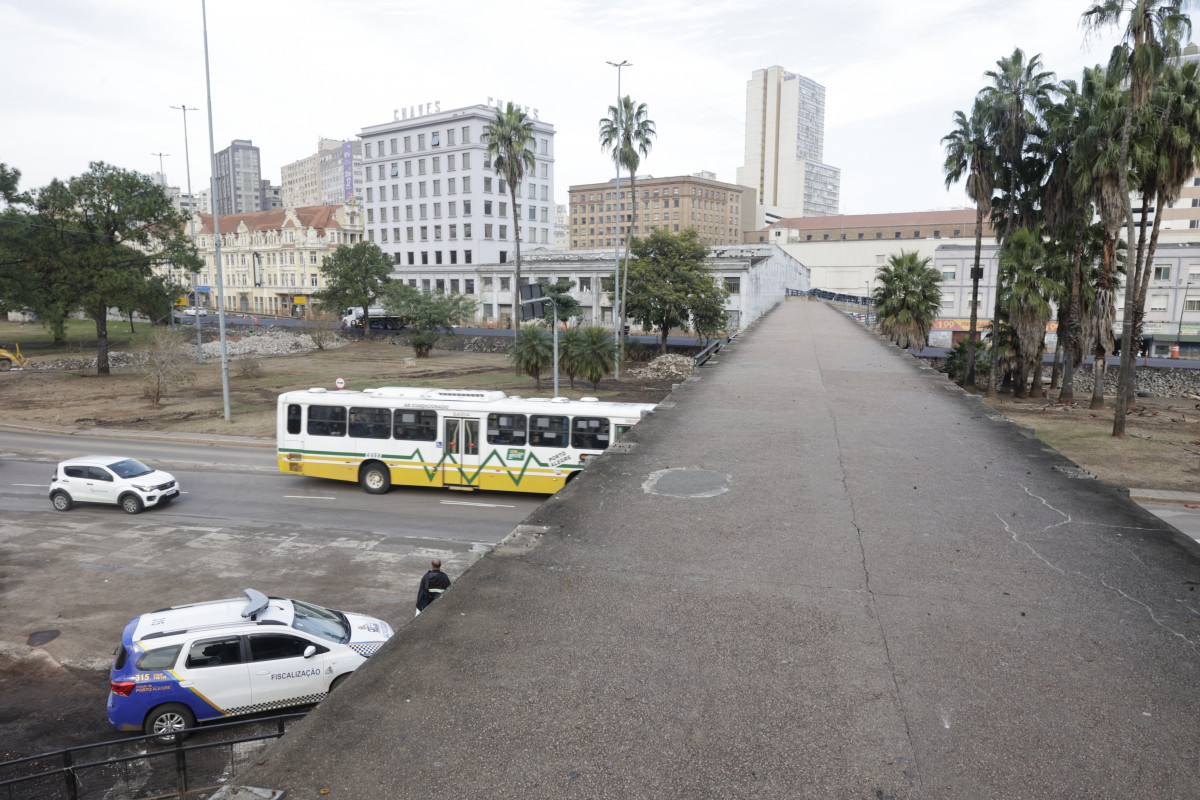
<point>818,570</point>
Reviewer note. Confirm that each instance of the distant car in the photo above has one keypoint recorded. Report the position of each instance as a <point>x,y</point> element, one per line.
<point>126,482</point>
<point>205,661</point>
<point>195,311</point>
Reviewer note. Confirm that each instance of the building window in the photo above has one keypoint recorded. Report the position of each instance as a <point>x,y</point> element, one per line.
<point>948,274</point>
<point>947,300</point>
<point>420,141</point>
<point>466,136</point>
<point>424,256</point>
<point>1158,302</point>
<point>435,139</point>
<point>733,285</point>
<point>450,137</point>
<point>466,253</point>
<point>1162,273</point>
<point>408,144</point>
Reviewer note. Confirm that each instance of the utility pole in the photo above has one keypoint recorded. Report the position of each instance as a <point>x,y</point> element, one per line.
<point>617,227</point>
<point>192,231</point>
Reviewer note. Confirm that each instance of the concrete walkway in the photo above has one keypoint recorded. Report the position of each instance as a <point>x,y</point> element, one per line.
<point>817,571</point>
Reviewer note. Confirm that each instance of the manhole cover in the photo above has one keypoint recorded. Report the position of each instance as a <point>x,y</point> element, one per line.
<point>41,637</point>
<point>687,482</point>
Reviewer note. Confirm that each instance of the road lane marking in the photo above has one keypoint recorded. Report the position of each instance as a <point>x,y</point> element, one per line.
<point>39,485</point>
<point>307,497</point>
<point>481,505</point>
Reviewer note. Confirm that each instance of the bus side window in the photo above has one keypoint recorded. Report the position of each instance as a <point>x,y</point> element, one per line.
<point>548,431</point>
<point>589,433</point>
<point>417,426</point>
<point>327,420</point>
<point>506,429</point>
<point>293,418</point>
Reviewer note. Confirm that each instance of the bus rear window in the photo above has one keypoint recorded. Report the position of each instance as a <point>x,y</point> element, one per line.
<point>293,418</point>
<point>589,433</point>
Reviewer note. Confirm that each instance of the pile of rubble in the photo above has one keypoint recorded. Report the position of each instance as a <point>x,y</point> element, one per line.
<point>271,342</point>
<point>670,367</point>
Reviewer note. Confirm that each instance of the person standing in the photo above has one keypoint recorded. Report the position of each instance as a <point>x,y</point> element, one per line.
<point>433,584</point>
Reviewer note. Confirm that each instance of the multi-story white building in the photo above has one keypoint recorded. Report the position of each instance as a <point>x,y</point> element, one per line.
<point>433,199</point>
<point>785,143</point>
<point>309,180</point>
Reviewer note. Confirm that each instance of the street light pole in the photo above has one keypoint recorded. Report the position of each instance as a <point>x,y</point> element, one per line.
<point>1182,308</point>
<point>617,226</point>
<point>212,184</point>
<point>187,160</point>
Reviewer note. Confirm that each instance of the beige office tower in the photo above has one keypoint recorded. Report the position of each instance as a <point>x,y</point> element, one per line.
<point>785,140</point>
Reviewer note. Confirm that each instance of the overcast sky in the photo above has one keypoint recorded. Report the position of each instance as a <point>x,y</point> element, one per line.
<point>88,80</point>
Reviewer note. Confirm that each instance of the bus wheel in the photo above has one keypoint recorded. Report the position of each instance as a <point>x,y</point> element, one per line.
<point>375,478</point>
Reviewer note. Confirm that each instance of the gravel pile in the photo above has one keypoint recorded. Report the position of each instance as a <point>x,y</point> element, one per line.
<point>663,368</point>
<point>269,342</point>
<point>1151,382</point>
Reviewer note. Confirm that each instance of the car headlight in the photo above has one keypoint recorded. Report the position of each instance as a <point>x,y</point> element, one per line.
<point>143,488</point>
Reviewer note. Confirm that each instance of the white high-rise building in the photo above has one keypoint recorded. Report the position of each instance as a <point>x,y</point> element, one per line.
<point>433,199</point>
<point>785,142</point>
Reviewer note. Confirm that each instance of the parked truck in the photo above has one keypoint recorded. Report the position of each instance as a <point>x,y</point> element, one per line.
<point>381,319</point>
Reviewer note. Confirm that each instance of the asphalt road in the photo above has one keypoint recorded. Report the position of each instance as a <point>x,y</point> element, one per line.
<point>78,576</point>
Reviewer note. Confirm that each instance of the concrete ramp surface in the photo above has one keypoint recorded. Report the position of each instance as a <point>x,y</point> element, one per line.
<point>817,571</point>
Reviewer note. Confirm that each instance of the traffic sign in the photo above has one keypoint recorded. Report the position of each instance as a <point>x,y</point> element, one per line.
<point>340,383</point>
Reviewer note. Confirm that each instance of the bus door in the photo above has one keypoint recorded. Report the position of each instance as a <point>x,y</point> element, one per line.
<point>460,451</point>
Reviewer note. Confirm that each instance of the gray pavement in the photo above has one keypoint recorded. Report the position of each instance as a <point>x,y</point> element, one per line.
<point>817,571</point>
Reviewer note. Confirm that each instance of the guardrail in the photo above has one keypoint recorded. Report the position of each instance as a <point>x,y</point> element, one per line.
<point>707,353</point>
<point>73,774</point>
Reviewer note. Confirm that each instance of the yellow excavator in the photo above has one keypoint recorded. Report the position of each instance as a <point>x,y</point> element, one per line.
<point>11,358</point>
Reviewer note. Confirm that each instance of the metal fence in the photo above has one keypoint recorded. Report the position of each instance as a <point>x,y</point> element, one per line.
<point>194,768</point>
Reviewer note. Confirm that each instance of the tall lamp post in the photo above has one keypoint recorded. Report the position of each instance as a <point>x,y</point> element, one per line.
<point>212,183</point>
<point>187,160</point>
<point>617,226</point>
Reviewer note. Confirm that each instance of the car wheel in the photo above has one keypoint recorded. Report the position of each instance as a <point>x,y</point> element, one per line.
<point>132,504</point>
<point>338,681</point>
<point>61,501</point>
<point>168,719</point>
<point>375,478</point>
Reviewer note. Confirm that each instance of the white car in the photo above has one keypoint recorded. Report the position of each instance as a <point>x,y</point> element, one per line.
<point>126,482</point>
<point>195,311</point>
<point>209,661</point>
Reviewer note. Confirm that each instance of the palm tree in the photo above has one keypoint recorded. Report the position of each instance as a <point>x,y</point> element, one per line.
<point>627,133</point>
<point>508,140</point>
<point>1019,93</point>
<point>1151,35</point>
<point>1026,271</point>
<point>907,299</point>
<point>969,151</point>
<point>595,356</point>
<point>531,352</point>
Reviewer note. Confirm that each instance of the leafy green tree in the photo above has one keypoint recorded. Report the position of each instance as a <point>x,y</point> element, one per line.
<point>432,315</point>
<point>532,352</point>
<point>508,140</point>
<point>101,236</point>
<point>560,292</point>
<point>970,152</point>
<point>570,347</point>
<point>907,298</point>
<point>957,357</point>
<point>670,285</point>
<point>627,133</point>
<point>1151,35</point>
<point>357,276</point>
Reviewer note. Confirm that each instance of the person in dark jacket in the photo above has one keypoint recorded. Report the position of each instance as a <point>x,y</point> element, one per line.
<point>432,585</point>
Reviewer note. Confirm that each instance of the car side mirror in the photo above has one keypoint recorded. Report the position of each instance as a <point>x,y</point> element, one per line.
<point>310,651</point>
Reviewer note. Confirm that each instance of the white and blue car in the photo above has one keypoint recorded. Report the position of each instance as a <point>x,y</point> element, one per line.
<point>207,661</point>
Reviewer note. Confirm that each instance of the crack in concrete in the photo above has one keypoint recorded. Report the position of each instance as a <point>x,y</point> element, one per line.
<point>1016,537</point>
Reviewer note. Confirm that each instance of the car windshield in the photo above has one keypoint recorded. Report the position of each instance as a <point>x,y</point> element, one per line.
<point>130,468</point>
<point>323,622</point>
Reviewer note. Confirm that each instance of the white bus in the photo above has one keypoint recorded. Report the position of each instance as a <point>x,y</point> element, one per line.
<point>459,439</point>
